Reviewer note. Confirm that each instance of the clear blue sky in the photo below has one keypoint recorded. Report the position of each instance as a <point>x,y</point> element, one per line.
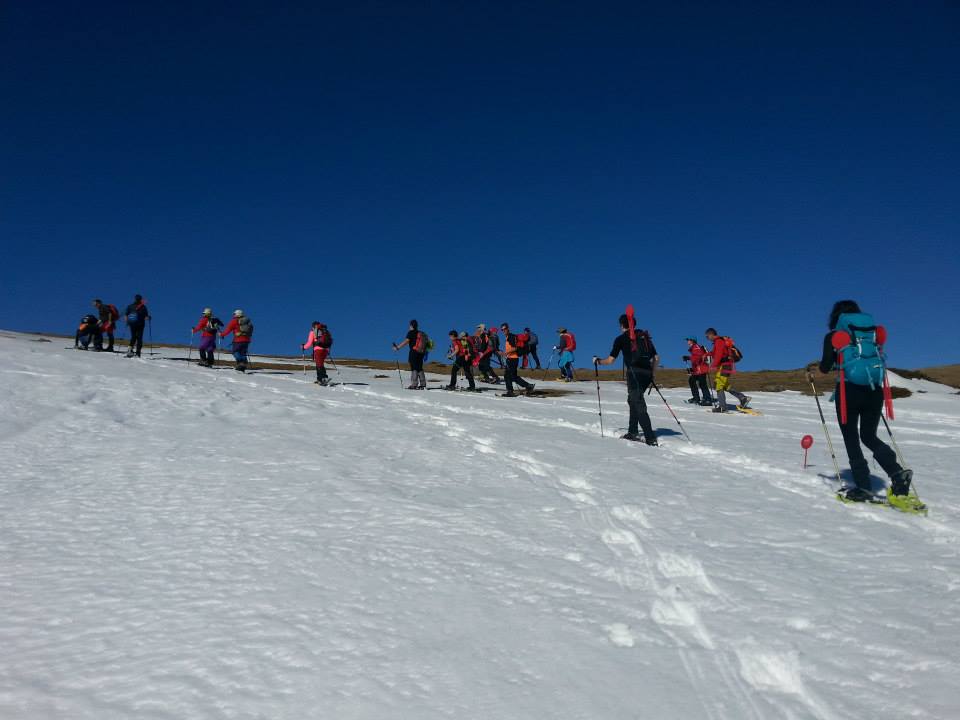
<point>732,164</point>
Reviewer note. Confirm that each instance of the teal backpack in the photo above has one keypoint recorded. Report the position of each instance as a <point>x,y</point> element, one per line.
<point>859,342</point>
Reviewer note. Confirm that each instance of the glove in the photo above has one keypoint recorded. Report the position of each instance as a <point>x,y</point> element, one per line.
<point>394,346</point>
<point>686,358</point>
<point>596,360</point>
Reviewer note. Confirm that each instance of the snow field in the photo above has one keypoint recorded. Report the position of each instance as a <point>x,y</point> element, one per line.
<point>186,543</point>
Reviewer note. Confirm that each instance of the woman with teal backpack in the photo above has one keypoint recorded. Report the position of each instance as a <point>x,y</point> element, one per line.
<point>854,348</point>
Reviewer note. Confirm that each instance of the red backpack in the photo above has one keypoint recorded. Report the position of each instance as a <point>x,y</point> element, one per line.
<point>573,341</point>
<point>114,313</point>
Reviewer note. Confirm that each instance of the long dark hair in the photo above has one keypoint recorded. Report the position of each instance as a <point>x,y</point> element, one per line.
<point>839,308</point>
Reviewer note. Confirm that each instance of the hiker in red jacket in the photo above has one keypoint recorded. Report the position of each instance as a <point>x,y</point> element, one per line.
<point>321,341</point>
<point>698,370</point>
<point>723,365</point>
<point>207,326</point>
<point>242,328</point>
<point>461,352</point>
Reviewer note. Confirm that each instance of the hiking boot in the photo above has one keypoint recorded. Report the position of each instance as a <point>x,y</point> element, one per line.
<point>856,494</point>
<point>706,403</point>
<point>900,483</point>
<point>413,387</point>
<point>693,401</point>
<point>509,394</point>
<point>719,409</point>
<point>529,389</point>
<point>745,403</point>
<point>633,437</point>
<point>652,442</point>
<point>449,387</point>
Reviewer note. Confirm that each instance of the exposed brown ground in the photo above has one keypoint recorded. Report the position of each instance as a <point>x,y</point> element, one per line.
<point>747,381</point>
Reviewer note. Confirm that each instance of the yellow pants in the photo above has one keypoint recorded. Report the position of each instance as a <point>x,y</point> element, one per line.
<point>722,382</point>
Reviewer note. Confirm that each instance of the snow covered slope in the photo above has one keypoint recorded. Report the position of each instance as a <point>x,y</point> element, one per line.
<point>186,543</point>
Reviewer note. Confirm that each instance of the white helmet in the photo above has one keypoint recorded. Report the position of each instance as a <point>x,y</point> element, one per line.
<point>238,313</point>
<point>207,311</point>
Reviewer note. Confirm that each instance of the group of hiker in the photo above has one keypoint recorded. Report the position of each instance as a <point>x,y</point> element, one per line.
<point>211,328</point>
<point>94,327</point>
<point>853,347</point>
<point>720,361</point>
<point>478,351</point>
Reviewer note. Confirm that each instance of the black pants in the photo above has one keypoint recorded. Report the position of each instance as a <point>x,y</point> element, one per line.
<point>462,364</point>
<point>416,361</point>
<point>533,354</point>
<point>863,418</point>
<point>638,380</point>
<point>486,371</point>
<point>511,375</point>
<point>109,335</point>
<point>206,356</point>
<point>698,386</point>
<point>321,372</point>
<point>136,339</point>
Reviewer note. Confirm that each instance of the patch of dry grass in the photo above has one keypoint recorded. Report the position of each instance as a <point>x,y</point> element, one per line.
<point>747,381</point>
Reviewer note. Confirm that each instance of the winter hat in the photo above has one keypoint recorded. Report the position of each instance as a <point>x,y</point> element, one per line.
<point>464,334</point>
<point>691,338</point>
<point>207,311</point>
<point>453,333</point>
<point>414,324</point>
<point>481,327</point>
<point>137,298</point>
<point>238,313</point>
<point>561,330</point>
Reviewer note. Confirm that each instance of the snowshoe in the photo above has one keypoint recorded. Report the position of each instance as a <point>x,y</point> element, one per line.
<point>633,437</point>
<point>706,403</point>
<point>900,483</point>
<point>529,390</point>
<point>509,394</point>
<point>719,409</point>
<point>745,403</point>
<point>694,401</point>
<point>910,503</point>
<point>855,495</point>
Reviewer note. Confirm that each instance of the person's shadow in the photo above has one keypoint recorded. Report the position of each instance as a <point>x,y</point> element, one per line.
<point>877,485</point>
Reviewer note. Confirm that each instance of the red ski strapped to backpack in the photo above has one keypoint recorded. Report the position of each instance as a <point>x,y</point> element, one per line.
<point>841,341</point>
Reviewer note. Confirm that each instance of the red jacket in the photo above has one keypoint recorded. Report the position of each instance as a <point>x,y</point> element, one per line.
<point>234,326</point>
<point>205,326</point>
<point>718,357</point>
<point>698,359</point>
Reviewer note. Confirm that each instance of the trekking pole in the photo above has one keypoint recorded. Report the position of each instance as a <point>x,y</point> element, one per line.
<point>657,388</point>
<point>190,347</point>
<point>337,368</point>
<point>150,329</point>
<point>596,375</point>
<point>399,374</point>
<point>823,421</point>
<point>546,368</point>
<point>303,361</point>
<point>896,447</point>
